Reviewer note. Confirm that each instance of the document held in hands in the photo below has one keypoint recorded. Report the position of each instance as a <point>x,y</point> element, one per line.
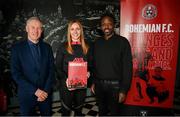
<point>77,74</point>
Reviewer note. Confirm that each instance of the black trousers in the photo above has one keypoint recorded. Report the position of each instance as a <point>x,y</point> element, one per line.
<point>107,94</point>
<point>71,100</point>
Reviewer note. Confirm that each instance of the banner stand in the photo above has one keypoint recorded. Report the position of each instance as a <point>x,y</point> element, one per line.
<point>129,110</point>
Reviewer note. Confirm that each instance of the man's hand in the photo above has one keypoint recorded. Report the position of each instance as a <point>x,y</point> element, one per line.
<point>42,95</point>
<point>40,100</point>
<point>93,88</point>
<point>122,97</point>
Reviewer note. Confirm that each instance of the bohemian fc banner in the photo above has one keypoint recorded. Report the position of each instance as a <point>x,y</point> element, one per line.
<point>152,28</point>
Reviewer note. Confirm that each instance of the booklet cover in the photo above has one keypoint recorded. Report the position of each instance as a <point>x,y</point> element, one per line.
<point>77,74</point>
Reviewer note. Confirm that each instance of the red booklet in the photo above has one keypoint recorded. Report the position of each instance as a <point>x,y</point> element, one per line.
<point>77,74</point>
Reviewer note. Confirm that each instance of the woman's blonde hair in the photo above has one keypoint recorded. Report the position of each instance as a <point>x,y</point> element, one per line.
<point>84,46</point>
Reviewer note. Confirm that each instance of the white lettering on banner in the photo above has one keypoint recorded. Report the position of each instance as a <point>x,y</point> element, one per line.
<point>150,28</point>
<point>77,64</point>
<point>157,45</point>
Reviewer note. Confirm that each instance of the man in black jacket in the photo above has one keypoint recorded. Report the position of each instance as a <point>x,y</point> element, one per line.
<point>113,68</point>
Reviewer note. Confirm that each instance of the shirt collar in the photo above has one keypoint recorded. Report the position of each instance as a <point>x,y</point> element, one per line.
<point>75,43</point>
<point>31,43</point>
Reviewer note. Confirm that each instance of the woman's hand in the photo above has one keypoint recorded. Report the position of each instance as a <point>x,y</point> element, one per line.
<point>88,74</point>
<point>68,85</point>
<point>93,88</point>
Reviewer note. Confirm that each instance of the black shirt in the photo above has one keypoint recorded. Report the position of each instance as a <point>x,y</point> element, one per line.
<point>35,49</point>
<point>113,60</point>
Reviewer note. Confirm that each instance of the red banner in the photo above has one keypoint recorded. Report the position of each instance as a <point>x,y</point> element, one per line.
<point>152,28</point>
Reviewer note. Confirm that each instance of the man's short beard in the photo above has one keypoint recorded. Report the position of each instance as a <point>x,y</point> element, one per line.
<point>108,34</point>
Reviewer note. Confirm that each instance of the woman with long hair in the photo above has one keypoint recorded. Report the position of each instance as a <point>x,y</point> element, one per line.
<point>74,48</point>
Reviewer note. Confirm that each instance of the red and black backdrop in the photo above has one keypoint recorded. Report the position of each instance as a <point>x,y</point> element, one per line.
<point>152,28</point>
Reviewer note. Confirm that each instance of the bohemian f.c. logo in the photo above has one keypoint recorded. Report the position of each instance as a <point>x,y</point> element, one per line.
<point>149,12</point>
